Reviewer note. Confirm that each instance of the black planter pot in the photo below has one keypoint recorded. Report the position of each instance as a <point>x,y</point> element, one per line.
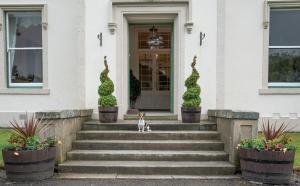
<point>108,114</point>
<point>191,115</point>
<point>29,165</point>
<point>269,167</point>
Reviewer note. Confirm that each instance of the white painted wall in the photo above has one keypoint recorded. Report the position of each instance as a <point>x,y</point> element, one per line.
<point>243,62</point>
<point>65,61</point>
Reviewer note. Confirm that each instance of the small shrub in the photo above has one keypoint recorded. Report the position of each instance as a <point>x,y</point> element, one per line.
<point>106,89</point>
<point>191,98</point>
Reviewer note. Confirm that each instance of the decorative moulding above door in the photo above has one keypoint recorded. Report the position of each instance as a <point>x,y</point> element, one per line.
<point>112,24</point>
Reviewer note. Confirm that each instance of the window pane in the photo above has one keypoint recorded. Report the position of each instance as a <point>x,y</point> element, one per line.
<point>24,29</point>
<point>284,65</point>
<point>285,27</point>
<point>26,66</point>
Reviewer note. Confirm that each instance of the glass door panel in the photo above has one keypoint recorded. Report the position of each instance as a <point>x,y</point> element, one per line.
<point>150,70</point>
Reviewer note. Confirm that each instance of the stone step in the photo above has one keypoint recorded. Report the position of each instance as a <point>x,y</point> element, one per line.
<point>154,135</point>
<point>149,167</point>
<point>154,125</point>
<point>149,145</point>
<point>146,155</point>
<point>93,176</point>
<point>148,116</point>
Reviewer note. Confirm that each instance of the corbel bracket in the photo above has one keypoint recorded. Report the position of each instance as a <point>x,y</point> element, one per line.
<point>112,27</point>
<point>45,25</point>
<point>266,24</point>
<point>189,26</point>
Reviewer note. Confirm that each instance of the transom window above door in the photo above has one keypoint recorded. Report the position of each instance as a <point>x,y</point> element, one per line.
<point>24,48</point>
<point>284,47</point>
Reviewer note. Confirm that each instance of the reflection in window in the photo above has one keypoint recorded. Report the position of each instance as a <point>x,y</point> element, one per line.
<point>284,65</point>
<point>163,71</point>
<point>284,47</point>
<point>145,68</point>
<point>24,48</point>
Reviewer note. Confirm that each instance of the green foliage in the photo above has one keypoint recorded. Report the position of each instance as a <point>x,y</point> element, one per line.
<point>42,146</point>
<point>107,101</point>
<point>191,98</point>
<point>290,147</point>
<point>257,144</point>
<point>106,89</point>
<point>32,142</point>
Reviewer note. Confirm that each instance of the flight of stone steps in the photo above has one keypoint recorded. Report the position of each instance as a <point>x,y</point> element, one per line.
<point>171,148</point>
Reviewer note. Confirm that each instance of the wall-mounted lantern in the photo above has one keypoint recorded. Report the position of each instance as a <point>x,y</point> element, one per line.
<point>202,36</point>
<point>99,36</point>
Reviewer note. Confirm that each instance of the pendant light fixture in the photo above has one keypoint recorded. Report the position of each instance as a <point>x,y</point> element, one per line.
<point>155,41</point>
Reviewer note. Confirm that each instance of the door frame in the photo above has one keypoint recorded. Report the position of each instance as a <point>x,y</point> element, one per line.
<point>133,26</point>
<point>124,15</point>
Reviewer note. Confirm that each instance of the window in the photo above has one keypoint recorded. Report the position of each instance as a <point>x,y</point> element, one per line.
<point>284,47</point>
<point>24,48</point>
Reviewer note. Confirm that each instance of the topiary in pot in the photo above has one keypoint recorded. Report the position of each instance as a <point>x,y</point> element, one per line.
<point>191,110</point>
<point>108,112</point>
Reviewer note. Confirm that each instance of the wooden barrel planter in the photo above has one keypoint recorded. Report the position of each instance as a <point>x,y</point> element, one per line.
<point>269,167</point>
<point>108,114</point>
<point>29,165</point>
<point>190,115</point>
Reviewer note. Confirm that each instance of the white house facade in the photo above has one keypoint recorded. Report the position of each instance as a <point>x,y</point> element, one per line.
<point>248,55</point>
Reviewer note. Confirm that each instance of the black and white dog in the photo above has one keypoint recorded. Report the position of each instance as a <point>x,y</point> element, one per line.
<point>142,125</point>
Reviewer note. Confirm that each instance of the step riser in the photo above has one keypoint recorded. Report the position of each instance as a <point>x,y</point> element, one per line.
<point>147,136</point>
<point>146,157</point>
<point>132,127</point>
<point>149,170</point>
<point>148,146</point>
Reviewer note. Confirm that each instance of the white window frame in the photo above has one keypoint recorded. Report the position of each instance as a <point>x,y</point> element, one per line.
<point>275,88</point>
<point>6,87</point>
<point>8,62</point>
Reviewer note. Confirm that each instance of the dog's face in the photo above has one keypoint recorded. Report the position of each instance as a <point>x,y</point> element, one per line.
<point>141,115</point>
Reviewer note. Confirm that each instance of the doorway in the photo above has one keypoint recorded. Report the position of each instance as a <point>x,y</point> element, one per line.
<point>151,67</point>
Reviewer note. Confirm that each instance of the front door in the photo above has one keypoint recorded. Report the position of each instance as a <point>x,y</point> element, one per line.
<point>150,69</point>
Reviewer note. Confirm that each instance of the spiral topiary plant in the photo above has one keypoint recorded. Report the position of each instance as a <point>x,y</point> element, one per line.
<point>106,89</point>
<point>192,95</point>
